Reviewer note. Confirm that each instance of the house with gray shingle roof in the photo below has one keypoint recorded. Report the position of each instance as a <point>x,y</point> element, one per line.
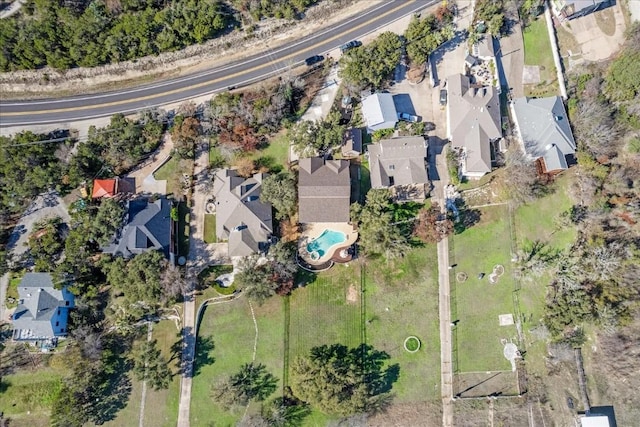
<point>324,190</point>
<point>473,123</point>
<point>351,143</point>
<point>148,227</point>
<point>241,218</point>
<point>42,310</point>
<point>400,163</point>
<point>543,128</point>
<point>379,111</point>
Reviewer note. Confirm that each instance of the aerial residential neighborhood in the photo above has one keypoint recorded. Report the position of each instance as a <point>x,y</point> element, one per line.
<point>319,213</point>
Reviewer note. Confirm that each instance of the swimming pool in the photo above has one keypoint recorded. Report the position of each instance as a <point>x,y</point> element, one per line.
<point>321,245</point>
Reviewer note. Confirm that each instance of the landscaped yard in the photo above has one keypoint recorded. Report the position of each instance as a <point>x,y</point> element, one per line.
<point>476,303</point>
<point>227,335</point>
<point>537,51</point>
<point>210,228</point>
<point>183,229</point>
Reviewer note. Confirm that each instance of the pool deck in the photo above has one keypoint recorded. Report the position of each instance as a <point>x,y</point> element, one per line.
<point>314,230</point>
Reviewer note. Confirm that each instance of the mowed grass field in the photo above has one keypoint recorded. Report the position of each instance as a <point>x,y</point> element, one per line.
<point>537,51</point>
<point>226,340</point>
<point>402,300</point>
<point>476,303</point>
<point>161,406</point>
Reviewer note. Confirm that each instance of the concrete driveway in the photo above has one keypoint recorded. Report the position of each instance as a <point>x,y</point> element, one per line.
<point>594,44</point>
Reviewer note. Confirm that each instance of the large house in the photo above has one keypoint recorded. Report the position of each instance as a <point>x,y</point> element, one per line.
<point>572,9</point>
<point>324,190</point>
<point>543,127</point>
<point>148,226</point>
<point>42,310</point>
<point>400,164</point>
<point>379,111</point>
<point>241,218</point>
<point>473,123</point>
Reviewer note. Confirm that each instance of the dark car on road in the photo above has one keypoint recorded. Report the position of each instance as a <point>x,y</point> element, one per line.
<point>350,45</point>
<point>313,59</point>
<point>443,97</point>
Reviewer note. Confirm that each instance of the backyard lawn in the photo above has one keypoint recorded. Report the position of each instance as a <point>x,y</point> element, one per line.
<point>168,171</point>
<point>402,300</point>
<point>27,396</point>
<point>476,303</point>
<point>225,342</point>
<point>210,228</point>
<point>537,51</point>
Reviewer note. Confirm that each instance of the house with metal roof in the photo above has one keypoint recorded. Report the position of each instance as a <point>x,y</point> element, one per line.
<point>379,111</point>
<point>42,310</point>
<point>400,164</point>
<point>324,190</point>
<point>543,128</point>
<point>241,217</point>
<point>473,123</point>
<point>147,227</point>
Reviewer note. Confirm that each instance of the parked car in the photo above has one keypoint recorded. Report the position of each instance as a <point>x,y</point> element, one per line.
<point>314,60</point>
<point>350,45</point>
<point>443,97</point>
<point>408,117</point>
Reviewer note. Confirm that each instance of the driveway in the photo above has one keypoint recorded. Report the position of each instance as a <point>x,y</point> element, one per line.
<point>45,206</point>
<point>143,175</point>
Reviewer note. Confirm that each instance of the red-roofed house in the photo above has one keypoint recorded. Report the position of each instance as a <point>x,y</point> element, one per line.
<point>111,187</point>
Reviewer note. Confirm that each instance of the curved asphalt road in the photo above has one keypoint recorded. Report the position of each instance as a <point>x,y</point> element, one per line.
<point>255,68</point>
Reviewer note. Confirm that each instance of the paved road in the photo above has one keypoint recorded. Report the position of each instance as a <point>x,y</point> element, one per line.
<point>258,67</point>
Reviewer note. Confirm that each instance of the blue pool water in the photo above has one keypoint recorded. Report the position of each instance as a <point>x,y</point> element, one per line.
<point>325,241</point>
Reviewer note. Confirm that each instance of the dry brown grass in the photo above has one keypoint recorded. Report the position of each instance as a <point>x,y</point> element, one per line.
<point>409,415</point>
<point>606,21</point>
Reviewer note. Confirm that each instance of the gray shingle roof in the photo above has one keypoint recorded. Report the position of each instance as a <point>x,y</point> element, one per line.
<point>554,160</point>
<point>238,207</point>
<point>474,120</point>
<point>148,227</point>
<point>543,123</point>
<point>324,190</point>
<point>43,310</point>
<point>400,158</point>
<point>379,111</point>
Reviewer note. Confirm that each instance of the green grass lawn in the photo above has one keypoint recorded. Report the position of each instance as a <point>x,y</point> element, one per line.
<point>320,313</point>
<point>210,228</point>
<point>275,155</point>
<point>27,396</point>
<point>537,51</point>
<point>227,331</point>
<point>168,171</point>
<point>477,303</point>
<point>12,290</point>
<point>402,300</point>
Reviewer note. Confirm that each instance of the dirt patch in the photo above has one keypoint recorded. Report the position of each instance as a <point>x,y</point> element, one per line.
<point>478,384</point>
<point>606,21</point>
<point>409,414</point>
<point>352,295</point>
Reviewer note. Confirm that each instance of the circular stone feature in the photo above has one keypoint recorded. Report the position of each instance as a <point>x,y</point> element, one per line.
<point>498,270</point>
<point>412,344</point>
<point>462,277</point>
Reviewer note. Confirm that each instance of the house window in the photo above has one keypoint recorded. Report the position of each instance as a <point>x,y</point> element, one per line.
<point>392,181</point>
<point>58,312</point>
<point>57,323</point>
<point>392,167</point>
<point>66,303</point>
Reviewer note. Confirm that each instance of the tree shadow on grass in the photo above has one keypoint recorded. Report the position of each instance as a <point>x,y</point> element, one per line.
<point>203,356</point>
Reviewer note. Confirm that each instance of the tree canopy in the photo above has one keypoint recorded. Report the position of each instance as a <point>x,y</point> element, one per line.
<point>379,234</point>
<point>317,138</point>
<point>344,381</point>
<point>149,365</point>
<point>372,64</point>
<point>251,383</point>
<point>87,34</point>
<point>424,35</point>
<point>281,190</point>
